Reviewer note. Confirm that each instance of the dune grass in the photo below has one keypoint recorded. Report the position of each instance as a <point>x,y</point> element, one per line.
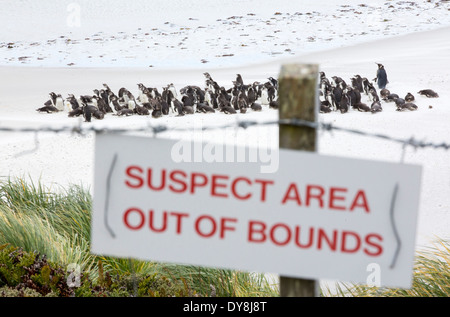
<point>56,222</point>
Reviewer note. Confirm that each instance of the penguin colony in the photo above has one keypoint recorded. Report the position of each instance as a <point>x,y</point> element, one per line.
<point>335,95</point>
<point>151,102</point>
<point>338,95</point>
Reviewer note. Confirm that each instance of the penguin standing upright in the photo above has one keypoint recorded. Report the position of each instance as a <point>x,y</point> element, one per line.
<point>381,79</point>
<point>59,103</point>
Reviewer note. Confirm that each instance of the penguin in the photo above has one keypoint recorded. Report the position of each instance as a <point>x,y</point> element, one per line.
<point>325,106</point>
<point>376,107</point>
<point>115,103</point>
<point>339,82</point>
<point>165,108</point>
<point>73,102</point>
<point>242,103</point>
<point>357,82</point>
<point>99,115</point>
<point>76,112</point>
<point>141,110</point>
<point>47,108</point>
<point>223,99</point>
<point>384,93</point>
<point>271,92</point>
<point>59,103</point>
<point>88,111</point>
<point>131,104</point>
<point>410,106</point>
<point>188,109</point>
<point>205,108</point>
<point>337,96</point>
<point>274,82</point>
<point>239,80</point>
<point>228,109</point>
<point>256,106</point>
<point>362,107</point>
<point>407,106</point>
<point>367,85</point>
<point>211,98</point>
<point>273,104</point>
<point>264,96</point>
<point>428,93</point>
<point>344,103</point>
<point>251,95</point>
<point>157,113</point>
<point>172,89</point>
<point>101,104</point>
<point>409,97</point>
<point>381,78</point>
<point>144,93</point>
<point>373,96</point>
<point>177,106</point>
<point>354,96</point>
<point>391,97</point>
<point>331,99</point>
<point>125,112</point>
<point>53,97</point>
<point>399,102</point>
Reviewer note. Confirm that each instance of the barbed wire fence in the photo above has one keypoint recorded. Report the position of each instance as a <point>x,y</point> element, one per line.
<point>157,129</point>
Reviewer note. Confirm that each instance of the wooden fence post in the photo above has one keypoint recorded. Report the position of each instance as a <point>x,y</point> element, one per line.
<point>297,96</point>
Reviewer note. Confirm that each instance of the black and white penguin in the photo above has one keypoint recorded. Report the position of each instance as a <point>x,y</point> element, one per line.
<point>376,107</point>
<point>125,112</point>
<point>251,95</point>
<point>274,104</point>
<point>391,98</point>
<point>344,103</point>
<point>274,82</point>
<point>49,108</point>
<point>59,102</point>
<point>367,85</point>
<point>204,107</point>
<point>239,80</point>
<point>373,95</point>
<point>325,106</point>
<point>354,96</point>
<point>428,93</point>
<point>381,78</point>
<point>53,97</point>
<point>384,93</point>
<point>399,102</point>
<point>242,103</point>
<point>88,112</point>
<point>141,110</point>
<point>409,97</point>
<point>256,106</point>
<point>73,102</point>
<point>177,106</point>
<point>407,106</point>
<point>357,82</point>
<point>76,112</point>
<point>362,107</point>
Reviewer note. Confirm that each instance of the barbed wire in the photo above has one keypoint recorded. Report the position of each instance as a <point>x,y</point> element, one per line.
<point>245,124</point>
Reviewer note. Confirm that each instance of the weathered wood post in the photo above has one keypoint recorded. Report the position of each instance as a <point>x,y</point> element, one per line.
<point>297,96</point>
